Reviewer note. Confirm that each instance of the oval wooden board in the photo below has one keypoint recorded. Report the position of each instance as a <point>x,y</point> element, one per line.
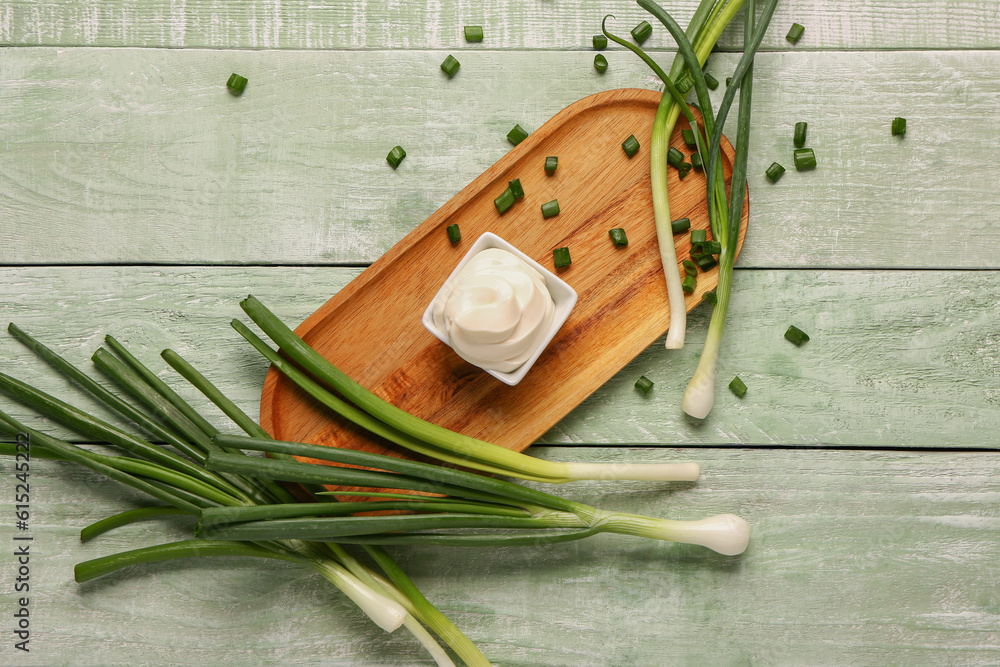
<point>371,329</point>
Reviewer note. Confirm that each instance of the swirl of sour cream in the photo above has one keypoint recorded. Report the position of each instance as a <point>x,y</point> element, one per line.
<point>495,310</point>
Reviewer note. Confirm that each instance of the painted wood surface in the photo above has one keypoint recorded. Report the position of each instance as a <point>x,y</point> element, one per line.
<point>141,156</point>
<point>886,558</point>
<point>897,358</point>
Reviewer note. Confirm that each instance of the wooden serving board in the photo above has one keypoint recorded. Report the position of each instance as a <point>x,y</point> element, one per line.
<point>371,329</point>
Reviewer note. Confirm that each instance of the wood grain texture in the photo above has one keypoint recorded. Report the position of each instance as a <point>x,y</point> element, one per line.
<point>855,558</point>
<point>897,358</point>
<point>622,295</point>
<point>124,155</point>
<point>508,24</point>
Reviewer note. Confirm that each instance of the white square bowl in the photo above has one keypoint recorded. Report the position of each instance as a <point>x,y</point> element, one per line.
<point>563,296</point>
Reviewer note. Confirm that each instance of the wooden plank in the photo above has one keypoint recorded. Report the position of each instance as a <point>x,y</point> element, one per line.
<point>897,358</point>
<point>855,558</point>
<point>512,24</point>
<point>120,155</point>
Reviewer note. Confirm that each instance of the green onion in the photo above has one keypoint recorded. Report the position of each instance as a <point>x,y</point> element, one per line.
<point>450,66</point>
<point>898,127</point>
<point>618,237</point>
<point>711,81</point>
<point>517,135</point>
<point>796,335</point>
<point>689,284</point>
<point>644,384</point>
<point>236,84</point>
<point>454,233</point>
<point>712,247</point>
<point>706,262</point>
<point>550,208</point>
<point>688,135</point>
<point>696,163</point>
<point>774,172</point>
<point>630,145</point>
<point>516,189</point>
<point>738,387</point>
<point>795,33</point>
<point>800,134</point>
<point>600,42</point>
<point>600,63</point>
<point>711,297</point>
<point>805,158</point>
<point>504,201</point>
<point>690,268</point>
<point>699,236</point>
<point>473,33</point>
<point>561,258</point>
<point>674,157</point>
<point>683,169</point>
<point>395,156</point>
<point>551,164</point>
<point>641,32</point>
<point>680,225</point>
<point>729,81</point>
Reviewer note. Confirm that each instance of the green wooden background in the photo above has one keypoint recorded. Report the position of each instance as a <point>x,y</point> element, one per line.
<point>138,198</point>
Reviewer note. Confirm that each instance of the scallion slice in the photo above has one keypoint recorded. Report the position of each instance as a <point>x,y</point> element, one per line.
<point>738,387</point>
<point>774,172</point>
<point>796,335</point>
<point>698,236</point>
<point>805,158</point>
<point>712,247</point>
<point>630,145</point>
<point>454,233</point>
<point>683,169</point>
<point>696,162</point>
<point>600,63</point>
<point>898,127</point>
<point>600,42</point>
<point>516,189</point>
<point>641,32</point>
<point>795,33</point>
<point>504,201</point>
<point>517,135</point>
<point>688,135</point>
<point>550,209</point>
<point>706,262</point>
<point>236,84</point>
<point>799,137</point>
<point>473,33</point>
<point>450,66</point>
<point>674,157</point>
<point>551,164</point>
<point>561,258</point>
<point>689,284</point>
<point>711,297</point>
<point>618,237</point>
<point>711,81</point>
<point>680,225</point>
<point>395,156</point>
<point>644,384</point>
<point>690,267</point>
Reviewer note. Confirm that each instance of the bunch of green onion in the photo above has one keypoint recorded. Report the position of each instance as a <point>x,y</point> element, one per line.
<point>725,212</point>
<point>242,509</point>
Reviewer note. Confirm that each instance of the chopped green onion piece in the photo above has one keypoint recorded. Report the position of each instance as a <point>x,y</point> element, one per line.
<point>699,236</point>
<point>689,284</point>
<point>800,134</point>
<point>898,127</point>
<point>711,297</point>
<point>688,135</point>
<point>674,157</point>
<point>685,83</point>
<point>690,267</point>
<point>236,84</point>
<point>680,225</point>
<point>794,33</point>
<point>454,234</point>
<point>711,81</point>
<point>515,188</point>
<point>630,145</point>
<point>517,135</point>
<point>774,172</point>
<point>696,162</point>
<point>683,169</point>
<point>805,158</point>
<point>551,208</point>
<point>644,384</point>
<point>450,66</point>
<point>698,250</point>
<point>395,156</point>
<point>504,201</point>
<point>737,386</point>
<point>473,33</point>
<point>706,262</point>
<point>600,42</point>
<point>729,80</point>
<point>551,163</point>
<point>600,63</point>
<point>618,237</point>
<point>712,247</point>
<point>560,257</point>
<point>796,335</point>
<point>641,32</point>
